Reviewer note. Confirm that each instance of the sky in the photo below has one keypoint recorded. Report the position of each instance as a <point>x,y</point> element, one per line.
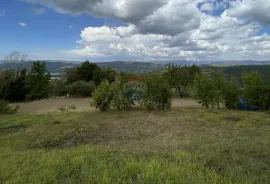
<point>142,30</point>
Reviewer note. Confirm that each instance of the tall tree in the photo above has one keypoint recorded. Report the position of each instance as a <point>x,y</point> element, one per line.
<point>180,77</point>
<point>87,71</point>
<point>38,81</point>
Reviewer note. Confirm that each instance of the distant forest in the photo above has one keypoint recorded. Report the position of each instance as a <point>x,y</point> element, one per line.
<point>143,67</point>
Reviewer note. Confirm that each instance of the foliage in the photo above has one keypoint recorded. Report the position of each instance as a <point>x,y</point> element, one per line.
<point>179,77</point>
<point>231,93</point>
<point>107,74</point>
<point>87,71</point>
<point>102,96</point>
<point>12,85</point>
<point>58,87</point>
<point>158,93</point>
<point>216,91</point>
<point>71,75</point>
<point>38,81</point>
<point>120,99</point>
<point>6,109</point>
<point>256,91</point>
<point>80,89</point>
<point>204,90</point>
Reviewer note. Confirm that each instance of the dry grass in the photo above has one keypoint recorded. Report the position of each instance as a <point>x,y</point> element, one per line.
<point>175,146</point>
<point>81,104</point>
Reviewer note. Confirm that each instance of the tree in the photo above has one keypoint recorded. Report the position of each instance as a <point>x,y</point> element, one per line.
<point>72,75</point>
<point>38,81</point>
<point>108,74</point>
<point>16,57</point>
<point>216,91</point>
<point>256,91</point>
<point>180,77</point>
<point>157,94</point>
<point>87,71</point>
<point>102,96</point>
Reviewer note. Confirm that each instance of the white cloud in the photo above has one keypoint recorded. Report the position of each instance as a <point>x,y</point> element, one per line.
<point>253,10</point>
<point>171,29</point>
<point>38,11</point>
<point>207,7</point>
<point>22,24</point>
<point>70,27</point>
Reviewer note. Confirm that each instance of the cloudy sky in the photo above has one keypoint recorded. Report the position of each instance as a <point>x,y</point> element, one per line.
<point>106,30</point>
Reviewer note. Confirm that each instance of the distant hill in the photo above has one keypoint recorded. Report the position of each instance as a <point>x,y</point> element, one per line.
<point>60,67</point>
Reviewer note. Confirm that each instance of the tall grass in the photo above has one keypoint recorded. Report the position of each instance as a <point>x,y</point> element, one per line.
<point>177,146</point>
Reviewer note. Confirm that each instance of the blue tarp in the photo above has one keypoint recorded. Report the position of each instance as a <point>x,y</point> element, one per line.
<point>244,106</point>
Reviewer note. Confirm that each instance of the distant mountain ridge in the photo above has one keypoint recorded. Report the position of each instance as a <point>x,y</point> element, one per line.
<point>59,67</point>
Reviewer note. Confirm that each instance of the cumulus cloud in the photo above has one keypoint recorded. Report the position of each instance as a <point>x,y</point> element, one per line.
<point>38,11</point>
<point>22,24</point>
<point>253,10</point>
<point>150,16</point>
<point>172,29</point>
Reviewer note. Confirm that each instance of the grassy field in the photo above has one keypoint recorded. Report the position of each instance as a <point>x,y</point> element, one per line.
<point>176,146</point>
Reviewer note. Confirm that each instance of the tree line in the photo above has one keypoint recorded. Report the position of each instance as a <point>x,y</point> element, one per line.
<point>107,87</point>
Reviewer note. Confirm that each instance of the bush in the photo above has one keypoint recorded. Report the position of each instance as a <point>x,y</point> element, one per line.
<point>158,93</point>
<point>6,109</point>
<point>80,89</point>
<point>120,99</point>
<point>231,93</point>
<point>58,87</point>
<point>256,91</point>
<point>102,96</point>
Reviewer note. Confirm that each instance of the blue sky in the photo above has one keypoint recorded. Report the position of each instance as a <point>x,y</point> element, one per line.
<point>104,30</point>
<point>44,33</point>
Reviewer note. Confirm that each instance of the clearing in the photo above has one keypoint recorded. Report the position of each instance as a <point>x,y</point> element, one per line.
<point>82,104</point>
<point>175,146</point>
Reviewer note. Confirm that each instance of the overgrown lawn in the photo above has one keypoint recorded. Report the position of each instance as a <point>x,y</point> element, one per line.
<point>176,146</point>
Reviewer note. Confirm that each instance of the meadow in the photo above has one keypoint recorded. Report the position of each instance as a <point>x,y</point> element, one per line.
<point>181,145</point>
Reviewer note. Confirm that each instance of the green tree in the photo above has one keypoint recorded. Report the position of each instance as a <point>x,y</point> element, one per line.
<point>87,71</point>
<point>102,96</point>
<point>72,75</point>
<point>256,91</point>
<point>108,74</point>
<point>38,81</point>
<point>180,77</point>
<point>231,93</point>
<point>120,99</point>
<point>80,89</point>
<point>12,85</point>
<point>157,94</point>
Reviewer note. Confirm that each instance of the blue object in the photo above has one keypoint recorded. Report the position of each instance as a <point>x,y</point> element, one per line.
<point>243,105</point>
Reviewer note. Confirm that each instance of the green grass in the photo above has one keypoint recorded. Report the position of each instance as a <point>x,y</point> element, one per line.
<point>176,146</point>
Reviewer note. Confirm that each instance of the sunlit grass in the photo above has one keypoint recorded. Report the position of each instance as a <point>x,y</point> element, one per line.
<point>176,146</point>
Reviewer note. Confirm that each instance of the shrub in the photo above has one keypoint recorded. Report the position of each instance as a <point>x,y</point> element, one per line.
<point>80,89</point>
<point>216,91</point>
<point>12,85</point>
<point>102,96</point>
<point>120,99</point>
<point>231,93</point>
<point>158,93</point>
<point>6,109</point>
<point>256,91</point>
<point>204,90</point>
<point>58,87</point>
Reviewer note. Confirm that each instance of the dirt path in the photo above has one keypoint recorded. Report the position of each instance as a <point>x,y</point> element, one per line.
<point>82,104</point>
